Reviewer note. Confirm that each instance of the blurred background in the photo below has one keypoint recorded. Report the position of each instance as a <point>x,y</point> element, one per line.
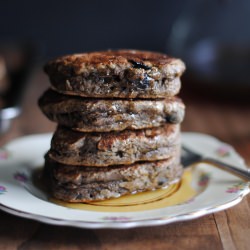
<point>211,36</point>
<point>77,26</point>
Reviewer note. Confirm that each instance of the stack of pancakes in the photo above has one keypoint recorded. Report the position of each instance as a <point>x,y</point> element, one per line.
<point>118,124</point>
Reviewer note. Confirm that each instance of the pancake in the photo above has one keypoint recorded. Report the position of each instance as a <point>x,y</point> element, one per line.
<point>114,148</point>
<point>116,74</point>
<point>104,115</point>
<point>81,184</point>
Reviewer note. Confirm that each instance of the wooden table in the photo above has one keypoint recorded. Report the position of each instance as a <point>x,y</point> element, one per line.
<point>230,229</point>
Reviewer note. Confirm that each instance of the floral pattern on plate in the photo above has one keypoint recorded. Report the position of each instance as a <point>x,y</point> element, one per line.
<point>223,150</point>
<point>21,177</point>
<point>204,179</point>
<point>2,190</point>
<point>236,188</point>
<point>4,154</point>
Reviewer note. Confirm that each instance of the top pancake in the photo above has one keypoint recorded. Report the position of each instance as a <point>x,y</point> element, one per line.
<point>120,74</point>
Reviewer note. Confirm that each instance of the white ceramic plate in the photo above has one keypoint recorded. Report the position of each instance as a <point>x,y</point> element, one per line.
<point>212,190</point>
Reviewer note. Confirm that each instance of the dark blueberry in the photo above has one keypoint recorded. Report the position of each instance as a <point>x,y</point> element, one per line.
<point>162,181</point>
<point>90,146</point>
<point>124,88</point>
<point>139,65</point>
<point>95,77</point>
<point>116,78</point>
<point>79,197</point>
<point>173,118</point>
<point>107,79</point>
<point>142,84</point>
<point>119,153</point>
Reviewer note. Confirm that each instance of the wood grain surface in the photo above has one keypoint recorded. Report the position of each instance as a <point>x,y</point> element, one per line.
<point>229,120</point>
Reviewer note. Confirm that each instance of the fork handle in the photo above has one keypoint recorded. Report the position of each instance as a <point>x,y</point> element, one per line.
<point>244,174</point>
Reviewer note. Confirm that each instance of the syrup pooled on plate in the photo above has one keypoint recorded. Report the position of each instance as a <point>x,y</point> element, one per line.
<point>177,193</point>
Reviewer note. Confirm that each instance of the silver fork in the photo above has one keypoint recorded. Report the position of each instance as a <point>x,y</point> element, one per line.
<point>189,157</point>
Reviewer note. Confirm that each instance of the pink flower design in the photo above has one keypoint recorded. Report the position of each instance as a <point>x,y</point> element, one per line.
<point>223,150</point>
<point>21,177</point>
<point>2,189</point>
<point>204,179</point>
<point>236,188</point>
<point>4,154</point>
<point>115,218</point>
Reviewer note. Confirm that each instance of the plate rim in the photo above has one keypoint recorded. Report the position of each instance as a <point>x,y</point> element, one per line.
<point>159,221</point>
